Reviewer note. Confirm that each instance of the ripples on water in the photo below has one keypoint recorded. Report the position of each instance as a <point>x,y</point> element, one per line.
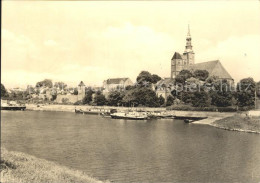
<point>134,151</point>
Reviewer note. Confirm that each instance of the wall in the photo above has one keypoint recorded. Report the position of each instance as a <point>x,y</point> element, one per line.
<point>68,98</point>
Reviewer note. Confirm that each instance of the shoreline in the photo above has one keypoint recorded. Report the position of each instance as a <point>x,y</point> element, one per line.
<point>214,119</point>
<point>226,123</point>
<point>20,167</point>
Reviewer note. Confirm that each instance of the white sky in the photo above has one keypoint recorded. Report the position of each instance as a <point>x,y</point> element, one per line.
<point>92,41</point>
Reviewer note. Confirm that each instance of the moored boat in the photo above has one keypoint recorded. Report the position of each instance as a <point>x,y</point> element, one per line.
<point>12,105</point>
<point>130,115</point>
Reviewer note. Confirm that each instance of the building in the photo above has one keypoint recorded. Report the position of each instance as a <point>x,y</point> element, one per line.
<point>178,61</point>
<point>81,90</point>
<point>215,68</point>
<point>164,87</point>
<point>69,98</point>
<point>187,61</point>
<point>116,84</point>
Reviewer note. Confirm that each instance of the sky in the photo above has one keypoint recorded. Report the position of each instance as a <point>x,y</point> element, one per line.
<point>73,41</point>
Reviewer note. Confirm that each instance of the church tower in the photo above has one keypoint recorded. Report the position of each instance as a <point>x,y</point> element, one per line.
<point>176,64</point>
<point>178,61</point>
<point>188,54</point>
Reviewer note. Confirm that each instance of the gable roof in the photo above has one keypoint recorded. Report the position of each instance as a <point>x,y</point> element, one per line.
<point>81,83</point>
<point>215,68</point>
<point>176,56</point>
<point>116,80</point>
<point>165,81</point>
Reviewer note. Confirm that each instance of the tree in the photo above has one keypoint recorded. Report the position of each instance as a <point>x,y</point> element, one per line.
<point>60,85</point>
<point>170,100</point>
<point>201,74</point>
<point>115,98</point>
<point>155,78</point>
<point>144,77</point>
<point>141,96</point>
<point>186,97</point>
<point>183,76</point>
<point>212,79</point>
<point>99,99</point>
<point>46,83</point>
<point>161,100</point>
<point>75,91</point>
<point>88,97</point>
<point>200,99</point>
<point>221,94</point>
<point>258,89</point>
<point>3,90</point>
<point>245,94</point>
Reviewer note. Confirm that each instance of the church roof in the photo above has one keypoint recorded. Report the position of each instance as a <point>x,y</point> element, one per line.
<point>116,80</point>
<point>176,56</point>
<point>215,68</point>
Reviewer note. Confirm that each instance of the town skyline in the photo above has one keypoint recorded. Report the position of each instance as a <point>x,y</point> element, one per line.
<point>40,40</point>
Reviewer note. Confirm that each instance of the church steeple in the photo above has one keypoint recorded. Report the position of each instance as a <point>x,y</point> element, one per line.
<point>188,54</point>
<point>188,47</point>
<point>188,35</point>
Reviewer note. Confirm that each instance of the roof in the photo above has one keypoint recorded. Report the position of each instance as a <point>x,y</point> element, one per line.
<point>81,83</point>
<point>215,68</point>
<point>116,80</point>
<point>165,81</point>
<point>176,56</point>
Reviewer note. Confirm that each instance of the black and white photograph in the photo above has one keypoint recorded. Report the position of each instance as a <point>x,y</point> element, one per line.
<point>130,91</point>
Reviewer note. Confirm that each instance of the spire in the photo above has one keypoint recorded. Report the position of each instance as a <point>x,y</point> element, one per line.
<point>188,35</point>
<point>188,46</point>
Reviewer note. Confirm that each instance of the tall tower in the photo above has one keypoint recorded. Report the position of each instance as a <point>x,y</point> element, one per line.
<point>81,90</point>
<point>188,54</point>
<point>176,64</point>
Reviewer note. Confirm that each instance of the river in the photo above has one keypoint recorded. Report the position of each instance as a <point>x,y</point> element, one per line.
<point>164,150</point>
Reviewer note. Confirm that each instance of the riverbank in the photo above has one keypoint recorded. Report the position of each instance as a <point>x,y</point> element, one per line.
<point>71,108</point>
<point>239,122</point>
<point>23,168</point>
<point>232,121</point>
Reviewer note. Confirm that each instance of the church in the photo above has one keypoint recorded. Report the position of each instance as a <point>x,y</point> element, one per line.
<point>187,61</point>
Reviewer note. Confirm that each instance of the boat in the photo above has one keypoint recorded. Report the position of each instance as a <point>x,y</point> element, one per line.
<point>130,115</point>
<point>12,105</point>
<point>108,114</point>
<point>80,111</point>
<point>160,114</point>
<point>96,111</point>
<point>188,120</point>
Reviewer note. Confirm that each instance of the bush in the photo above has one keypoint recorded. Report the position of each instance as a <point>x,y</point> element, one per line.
<point>210,108</point>
<point>200,99</point>
<point>78,103</point>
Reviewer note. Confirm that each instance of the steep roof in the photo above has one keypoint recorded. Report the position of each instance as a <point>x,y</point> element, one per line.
<point>215,68</point>
<point>165,81</point>
<point>176,56</point>
<point>81,83</point>
<point>116,80</point>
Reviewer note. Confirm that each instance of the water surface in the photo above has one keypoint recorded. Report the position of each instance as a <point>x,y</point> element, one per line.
<point>163,150</point>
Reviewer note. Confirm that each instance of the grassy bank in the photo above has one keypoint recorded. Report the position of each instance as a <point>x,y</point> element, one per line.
<point>239,122</point>
<point>19,167</point>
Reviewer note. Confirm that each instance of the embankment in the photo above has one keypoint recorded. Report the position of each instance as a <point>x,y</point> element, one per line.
<point>17,167</point>
<point>71,108</point>
<point>239,122</point>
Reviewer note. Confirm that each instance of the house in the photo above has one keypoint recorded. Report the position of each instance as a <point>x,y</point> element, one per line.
<point>163,87</point>
<point>115,84</point>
